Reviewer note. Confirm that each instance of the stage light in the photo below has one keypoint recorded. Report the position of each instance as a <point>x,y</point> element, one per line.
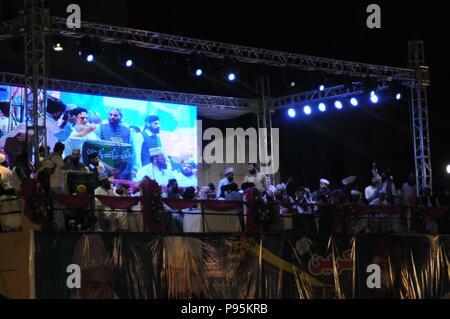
<point>58,47</point>
<point>354,101</point>
<point>291,113</point>
<point>90,57</point>
<point>321,87</point>
<point>338,105</point>
<point>231,77</point>
<point>322,107</point>
<point>307,110</point>
<point>373,97</point>
<point>292,84</point>
<point>448,169</point>
<point>398,96</point>
<point>129,63</point>
<point>198,72</point>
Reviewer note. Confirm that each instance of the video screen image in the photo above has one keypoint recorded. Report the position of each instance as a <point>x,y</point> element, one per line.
<point>133,138</point>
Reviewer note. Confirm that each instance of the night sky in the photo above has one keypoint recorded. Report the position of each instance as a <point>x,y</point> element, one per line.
<point>332,144</point>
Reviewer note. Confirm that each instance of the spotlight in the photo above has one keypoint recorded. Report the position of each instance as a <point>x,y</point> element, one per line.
<point>129,63</point>
<point>231,76</point>
<point>307,110</point>
<point>322,107</point>
<point>354,101</point>
<point>398,96</point>
<point>291,113</point>
<point>373,97</point>
<point>338,105</point>
<point>292,84</point>
<point>321,87</point>
<point>58,47</point>
<point>448,169</point>
<point>198,72</point>
<point>89,50</point>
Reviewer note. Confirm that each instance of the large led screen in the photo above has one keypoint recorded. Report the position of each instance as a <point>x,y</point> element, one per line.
<point>133,138</point>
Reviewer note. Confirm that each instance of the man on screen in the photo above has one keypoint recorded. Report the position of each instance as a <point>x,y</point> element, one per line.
<point>147,139</point>
<point>157,169</point>
<point>81,131</point>
<point>114,131</point>
<point>186,176</point>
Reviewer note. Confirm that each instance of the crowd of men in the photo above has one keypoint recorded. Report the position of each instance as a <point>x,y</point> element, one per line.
<point>382,191</point>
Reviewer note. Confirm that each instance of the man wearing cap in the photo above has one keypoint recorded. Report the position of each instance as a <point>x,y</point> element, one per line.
<point>229,175</point>
<point>156,169</point>
<point>256,178</point>
<point>114,131</point>
<point>147,139</point>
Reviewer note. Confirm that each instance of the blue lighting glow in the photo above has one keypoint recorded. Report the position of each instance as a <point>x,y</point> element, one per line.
<point>322,107</point>
<point>291,113</point>
<point>231,77</point>
<point>198,72</point>
<point>354,101</point>
<point>307,110</point>
<point>338,105</point>
<point>90,57</point>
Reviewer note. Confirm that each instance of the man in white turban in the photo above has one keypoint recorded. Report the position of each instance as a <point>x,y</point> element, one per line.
<point>229,176</point>
<point>156,169</point>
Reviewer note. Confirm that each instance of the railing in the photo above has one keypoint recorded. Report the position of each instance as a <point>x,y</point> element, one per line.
<point>233,216</point>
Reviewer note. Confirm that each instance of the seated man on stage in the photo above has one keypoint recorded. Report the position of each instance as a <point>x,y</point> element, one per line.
<point>156,169</point>
<point>186,176</point>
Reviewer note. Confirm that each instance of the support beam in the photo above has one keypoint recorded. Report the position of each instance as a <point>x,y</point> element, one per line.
<point>36,25</point>
<point>419,117</point>
<point>218,50</point>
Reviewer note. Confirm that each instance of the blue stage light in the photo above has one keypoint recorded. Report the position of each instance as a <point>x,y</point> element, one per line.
<point>321,87</point>
<point>338,105</point>
<point>373,97</point>
<point>231,77</point>
<point>291,113</point>
<point>398,96</point>
<point>322,107</point>
<point>307,110</point>
<point>354,101</point>
<point>90,57</point>
<point>198,72</point>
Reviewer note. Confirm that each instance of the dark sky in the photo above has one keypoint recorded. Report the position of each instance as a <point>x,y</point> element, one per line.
<point>334,29</point>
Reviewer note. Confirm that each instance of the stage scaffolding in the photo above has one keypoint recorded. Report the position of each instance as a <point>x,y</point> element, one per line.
<point>36,24</point>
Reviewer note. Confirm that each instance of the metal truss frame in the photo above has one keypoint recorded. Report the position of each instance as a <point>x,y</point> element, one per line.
<point>199,100</point>
<point>35,22</point>
<point>218,50</point>
<point>334,92</point>
<point>419,118</point>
